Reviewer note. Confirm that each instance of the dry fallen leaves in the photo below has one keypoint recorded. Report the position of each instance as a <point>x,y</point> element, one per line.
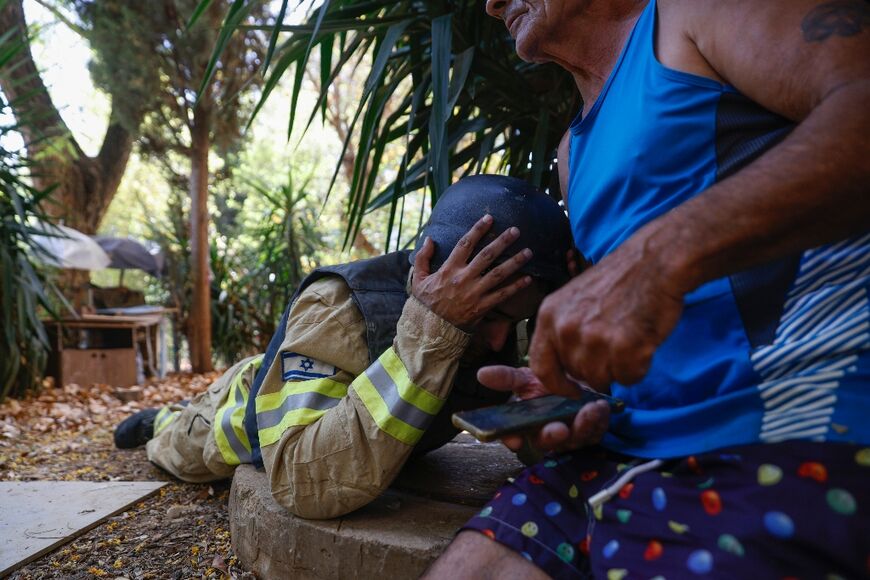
<point>65,434</point>
<point>79,409</point>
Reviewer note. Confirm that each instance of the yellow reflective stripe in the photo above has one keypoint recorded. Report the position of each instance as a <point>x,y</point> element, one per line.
<point>420,398</point>
<point>377,408</point>
<point>298,403</point>
<point>295,418</point>
<point>163,419</point>
<point>229,427</point>
<point>237,416</point>
<point>327,387</point>
<point>398,406</point>
<point>230,456</point>
<point>237,420</point>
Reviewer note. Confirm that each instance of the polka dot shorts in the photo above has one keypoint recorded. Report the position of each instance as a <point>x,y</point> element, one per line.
<point>786,510</point>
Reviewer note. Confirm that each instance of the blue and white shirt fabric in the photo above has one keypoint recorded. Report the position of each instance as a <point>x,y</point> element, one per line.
<point>775,353</point>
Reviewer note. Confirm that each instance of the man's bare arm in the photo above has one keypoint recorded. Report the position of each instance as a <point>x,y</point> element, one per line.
<point>804,60</point>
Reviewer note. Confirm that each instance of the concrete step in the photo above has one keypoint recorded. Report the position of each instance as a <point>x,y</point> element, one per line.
<point>465,471</point>
<point>397,536</point>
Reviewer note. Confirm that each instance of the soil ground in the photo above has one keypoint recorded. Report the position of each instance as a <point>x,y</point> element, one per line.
<point>66,434</point>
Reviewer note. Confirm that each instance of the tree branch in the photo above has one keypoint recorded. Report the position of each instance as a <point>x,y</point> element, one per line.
<point>38,118</point>
<point>112,161</point>
<point>78,29</point>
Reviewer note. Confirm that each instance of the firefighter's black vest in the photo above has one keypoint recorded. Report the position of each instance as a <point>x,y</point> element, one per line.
<point>378,289</point>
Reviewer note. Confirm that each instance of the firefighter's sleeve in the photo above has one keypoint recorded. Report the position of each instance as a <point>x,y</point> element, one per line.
<point>334,430</point>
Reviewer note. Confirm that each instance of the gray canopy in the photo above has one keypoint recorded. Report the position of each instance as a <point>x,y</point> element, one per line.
<point>129,254</point>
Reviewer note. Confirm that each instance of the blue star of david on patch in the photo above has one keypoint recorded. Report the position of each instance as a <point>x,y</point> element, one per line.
<point>298,367</point>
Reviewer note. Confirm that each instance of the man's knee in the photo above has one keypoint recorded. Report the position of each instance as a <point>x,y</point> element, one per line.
<point>473,555</point>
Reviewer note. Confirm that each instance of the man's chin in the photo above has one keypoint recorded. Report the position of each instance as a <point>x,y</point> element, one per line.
<point>527,49</point>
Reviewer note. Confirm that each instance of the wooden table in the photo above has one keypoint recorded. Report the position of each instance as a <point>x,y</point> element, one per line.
<point>118,350</point>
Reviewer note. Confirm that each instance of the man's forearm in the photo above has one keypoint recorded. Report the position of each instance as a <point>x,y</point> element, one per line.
<point>811,189</point>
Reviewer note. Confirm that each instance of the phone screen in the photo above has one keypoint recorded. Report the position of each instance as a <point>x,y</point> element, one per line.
<point>491,422</point>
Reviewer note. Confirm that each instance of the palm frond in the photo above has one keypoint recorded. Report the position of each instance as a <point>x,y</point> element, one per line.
<point>444,87</point>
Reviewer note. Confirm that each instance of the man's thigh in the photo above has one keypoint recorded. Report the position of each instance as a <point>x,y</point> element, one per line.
<point>542,514</point>
<point>474,557</point>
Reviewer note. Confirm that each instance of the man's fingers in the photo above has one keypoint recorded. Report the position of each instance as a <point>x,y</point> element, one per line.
<point>591,361</point>
<point>493,250</point>
<point>590,424</point>
<point>545,365</point>
<point>587,428</point>
<point>553,435</point>
<point>504,378</point>
<point>466,244</point>
<point>421,260</point>
<point>504,270</point>
<point>498,296</point>
<point>634,362</point>
<point>513,442</point>
<point>501,377</point>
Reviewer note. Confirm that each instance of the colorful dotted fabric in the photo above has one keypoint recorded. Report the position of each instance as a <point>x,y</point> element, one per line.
<point>793,509</point>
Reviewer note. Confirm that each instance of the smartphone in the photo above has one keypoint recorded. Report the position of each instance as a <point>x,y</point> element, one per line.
<point>489,423</point>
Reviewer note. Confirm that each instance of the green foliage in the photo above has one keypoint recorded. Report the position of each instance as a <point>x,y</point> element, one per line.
<point>445,83</point>
<point>146,57</point>
<point>256,274</point>
<point>180,126</point>
<point>263,246</point>
<point>123,68</point>
<point>23,341</point>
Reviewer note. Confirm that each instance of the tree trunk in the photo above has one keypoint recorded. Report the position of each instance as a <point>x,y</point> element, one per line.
<point>84,186</point>
<point>199,323</point>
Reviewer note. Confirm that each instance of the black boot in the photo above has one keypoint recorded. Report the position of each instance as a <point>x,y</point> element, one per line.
<point>136,429</point>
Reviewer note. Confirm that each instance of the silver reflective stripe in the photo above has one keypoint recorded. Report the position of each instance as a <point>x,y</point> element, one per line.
<point>311,400</point>
<point>226,424</point>
<point>398,407</point>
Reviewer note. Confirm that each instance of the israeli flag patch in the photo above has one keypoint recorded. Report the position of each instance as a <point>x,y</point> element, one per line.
<point>298,367</point>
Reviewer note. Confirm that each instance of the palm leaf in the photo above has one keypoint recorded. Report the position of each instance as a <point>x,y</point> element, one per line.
<point>459,98</point>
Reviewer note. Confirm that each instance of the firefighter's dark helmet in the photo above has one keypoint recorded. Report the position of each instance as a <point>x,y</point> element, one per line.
<point>542,223</point>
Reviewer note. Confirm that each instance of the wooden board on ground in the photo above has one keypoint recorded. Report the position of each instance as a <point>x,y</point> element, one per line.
<point>38,516</point>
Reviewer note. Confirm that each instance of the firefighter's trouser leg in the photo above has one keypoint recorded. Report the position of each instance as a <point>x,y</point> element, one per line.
<point>184,442</point>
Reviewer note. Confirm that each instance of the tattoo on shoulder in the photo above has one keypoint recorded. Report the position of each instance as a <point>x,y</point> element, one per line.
<point>840,18</point>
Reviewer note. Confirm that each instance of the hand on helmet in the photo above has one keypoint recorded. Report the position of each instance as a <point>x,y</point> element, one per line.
<point>461,292</point>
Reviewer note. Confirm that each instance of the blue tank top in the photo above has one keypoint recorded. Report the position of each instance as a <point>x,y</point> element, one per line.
<point>778,352</point>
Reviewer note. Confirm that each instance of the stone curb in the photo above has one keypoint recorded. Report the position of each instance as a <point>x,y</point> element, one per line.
<point>397,536</point>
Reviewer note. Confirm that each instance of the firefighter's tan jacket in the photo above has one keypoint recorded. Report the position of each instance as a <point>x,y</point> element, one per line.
<point>334,431</point>
<point>330,461</point>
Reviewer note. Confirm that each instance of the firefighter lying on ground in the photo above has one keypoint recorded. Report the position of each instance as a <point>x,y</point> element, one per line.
<point>360,375</point>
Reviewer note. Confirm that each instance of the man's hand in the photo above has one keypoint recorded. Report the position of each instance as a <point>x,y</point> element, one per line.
<point>588,427</point>
<point>460,292</point>
<point>604,325</point>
